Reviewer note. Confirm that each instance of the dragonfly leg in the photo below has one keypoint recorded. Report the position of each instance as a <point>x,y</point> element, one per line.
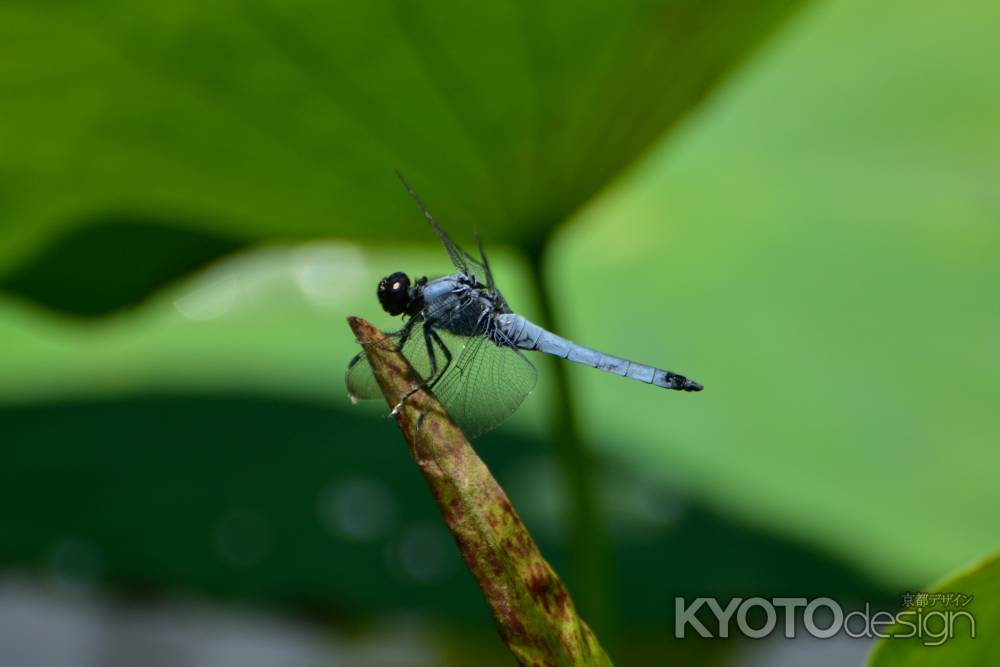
<point>404,335</point>
<point>430,336</point>
<point>445,351</point>
<point>447,364</point>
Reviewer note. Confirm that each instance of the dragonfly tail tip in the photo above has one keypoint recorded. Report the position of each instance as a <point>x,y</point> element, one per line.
<point>681,383</point>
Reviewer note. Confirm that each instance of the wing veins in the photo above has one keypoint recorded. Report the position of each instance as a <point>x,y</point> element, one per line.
<point>456,254</point>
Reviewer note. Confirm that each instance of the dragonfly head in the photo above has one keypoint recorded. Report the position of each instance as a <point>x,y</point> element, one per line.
<point>394,293</point>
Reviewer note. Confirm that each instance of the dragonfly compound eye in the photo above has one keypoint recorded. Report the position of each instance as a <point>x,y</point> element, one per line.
<point>394,293</point>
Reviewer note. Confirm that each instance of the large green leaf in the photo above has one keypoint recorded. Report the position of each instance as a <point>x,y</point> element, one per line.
<point>820,250</point>
<point>954,624</point>
<point>192,493</point>
<point>73,275</point>
<point>258,119</point>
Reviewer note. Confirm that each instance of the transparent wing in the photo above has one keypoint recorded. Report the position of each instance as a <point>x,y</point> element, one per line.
<point>459,258</point>
<point>416,343</point>
<point>457,255</point>
<point>361,383</point>
<point>484,264</point>
<point>479,383</point>
<point>484,384</point>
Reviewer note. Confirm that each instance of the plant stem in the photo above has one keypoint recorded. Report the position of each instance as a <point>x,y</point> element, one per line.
<point>590,571</point>
<point>533,610</point>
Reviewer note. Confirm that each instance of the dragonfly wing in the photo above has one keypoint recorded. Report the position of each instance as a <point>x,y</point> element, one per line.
<point>484,264</point>
<point>457,255</point>
<point>410,340</point>
<point>484,383</point>
<point>361,384</point>
<point>479,383</point>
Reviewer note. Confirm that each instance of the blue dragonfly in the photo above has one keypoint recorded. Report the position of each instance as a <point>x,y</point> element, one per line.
<point>468,346</point>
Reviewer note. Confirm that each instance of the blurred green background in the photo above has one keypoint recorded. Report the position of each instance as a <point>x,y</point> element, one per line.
<point>794,203</point>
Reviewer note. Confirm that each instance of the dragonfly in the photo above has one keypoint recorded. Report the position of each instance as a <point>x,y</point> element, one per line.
<point>468,345</point>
